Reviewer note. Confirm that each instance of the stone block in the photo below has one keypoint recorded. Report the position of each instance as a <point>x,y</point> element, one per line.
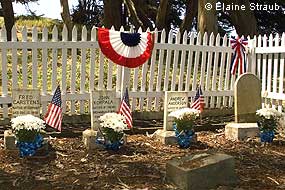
<point>9,140</point>
<point>89,139</point>
<point>201,171</point>
<point>241,131</point>
<point>168,137</point>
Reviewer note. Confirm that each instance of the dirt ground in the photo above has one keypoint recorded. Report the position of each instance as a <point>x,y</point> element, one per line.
<point>140,164</point>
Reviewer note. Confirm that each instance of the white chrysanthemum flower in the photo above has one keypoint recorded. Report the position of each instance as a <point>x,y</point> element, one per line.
<point>27,122</point>
<point>268,113</point>
<point>114,121</point>
<point>184,112</point>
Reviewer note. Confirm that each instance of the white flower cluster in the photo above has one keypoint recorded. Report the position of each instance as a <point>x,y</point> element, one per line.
<point>184,113</point>
<point>27,122</point>
<point>115,121</point>
<point>269,113</point>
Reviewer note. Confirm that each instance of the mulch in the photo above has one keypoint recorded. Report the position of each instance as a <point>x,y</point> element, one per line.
<point>140,164</point>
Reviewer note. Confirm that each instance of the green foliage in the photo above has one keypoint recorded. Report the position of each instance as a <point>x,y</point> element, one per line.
<point>30,21</point>
<point>266,124</point>
<point>25,135</point>
<point>184,124</point>
<point>112,135</point>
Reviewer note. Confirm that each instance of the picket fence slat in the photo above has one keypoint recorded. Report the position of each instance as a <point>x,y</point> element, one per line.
<point>215,71</point>
<point>269,70</point>
<point>196,63</point>
<point>44,69</point>
<point>182,64</point>
<point>168,60</point>
<point>221,73</point>
<point>189,64</point>
<point>34,58</point>
<point>73,69</point>
<point>209,68</point>
<point>24,58</point>
<point>14,59</point>
<point>160,69</point>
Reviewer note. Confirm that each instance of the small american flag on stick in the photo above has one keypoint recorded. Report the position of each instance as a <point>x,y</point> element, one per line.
<point>125,109</point>
<point>198,102</point>
<point>53,116</point>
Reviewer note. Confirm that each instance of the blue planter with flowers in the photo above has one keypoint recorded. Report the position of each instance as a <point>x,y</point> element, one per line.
<point>184,137</point>
<point>267,119</point>
<point>184,121</point>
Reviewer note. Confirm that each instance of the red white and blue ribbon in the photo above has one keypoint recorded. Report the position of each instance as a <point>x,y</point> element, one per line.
<point>127,49</point>
<point>239,59</point>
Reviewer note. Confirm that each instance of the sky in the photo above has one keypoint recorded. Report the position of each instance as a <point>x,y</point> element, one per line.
<point>50,8</point>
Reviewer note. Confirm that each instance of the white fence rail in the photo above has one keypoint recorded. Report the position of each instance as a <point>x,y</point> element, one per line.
<point>179,62</point>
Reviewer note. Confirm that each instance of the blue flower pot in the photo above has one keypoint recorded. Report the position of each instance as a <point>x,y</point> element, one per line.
<point>30,148</point>
<point>115,146</point>
<point>184,137</point>
<point>267,136</point>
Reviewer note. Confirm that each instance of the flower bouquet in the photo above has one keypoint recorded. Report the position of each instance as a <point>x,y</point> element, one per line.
<point>27,131</point>
<point>184,120</point>
<point>267,119</point>
<point>113,126</point>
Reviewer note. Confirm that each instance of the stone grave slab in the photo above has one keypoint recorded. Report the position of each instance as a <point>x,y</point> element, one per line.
<point>201,171</point>
<point>241,131</point>
<point>247,99</point>
<point>172,101</point>
<point>24,102</point>
<point>102,102</point>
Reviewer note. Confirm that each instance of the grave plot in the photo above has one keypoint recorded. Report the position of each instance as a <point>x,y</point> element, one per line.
<point>140,164</point>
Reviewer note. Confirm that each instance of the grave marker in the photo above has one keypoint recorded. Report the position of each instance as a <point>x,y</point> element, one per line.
<point>247,96</point>
<point>102,102</point>
<point>26,101</point>
<point>173,101</point>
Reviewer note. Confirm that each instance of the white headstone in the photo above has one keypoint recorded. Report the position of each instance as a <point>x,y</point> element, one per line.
<point>26,101</point>
<point>102,102</point>
<point>173,101</point>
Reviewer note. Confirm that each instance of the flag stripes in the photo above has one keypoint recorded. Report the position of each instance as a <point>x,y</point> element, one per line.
<point>198,102</point>
<point>53,116</point>
<point>125,109</point>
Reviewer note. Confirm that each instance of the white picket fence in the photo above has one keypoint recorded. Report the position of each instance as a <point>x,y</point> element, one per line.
<point>179,62</point>
<point>268,64</point>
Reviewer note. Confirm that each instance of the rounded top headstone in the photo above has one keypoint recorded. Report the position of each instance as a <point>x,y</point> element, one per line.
<point>247,93</point>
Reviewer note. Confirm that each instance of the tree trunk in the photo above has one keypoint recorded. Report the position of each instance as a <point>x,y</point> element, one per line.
<point>113,13</point>
<point>133,14</point>
<point>65,15</point>
<point>161,14</point>
<point>207,19</point>
<point>243,20</point>
<point>8,14</point>
<point>191,12</point>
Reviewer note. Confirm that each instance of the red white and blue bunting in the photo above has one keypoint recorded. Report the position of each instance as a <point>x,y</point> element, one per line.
<point>127,49</point>
<point>239,58</point>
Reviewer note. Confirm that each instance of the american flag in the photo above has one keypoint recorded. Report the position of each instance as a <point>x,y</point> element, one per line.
<point>53,116</point>
<point>239,58</point>
<point>198,102</point>
<point>125,109</point>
